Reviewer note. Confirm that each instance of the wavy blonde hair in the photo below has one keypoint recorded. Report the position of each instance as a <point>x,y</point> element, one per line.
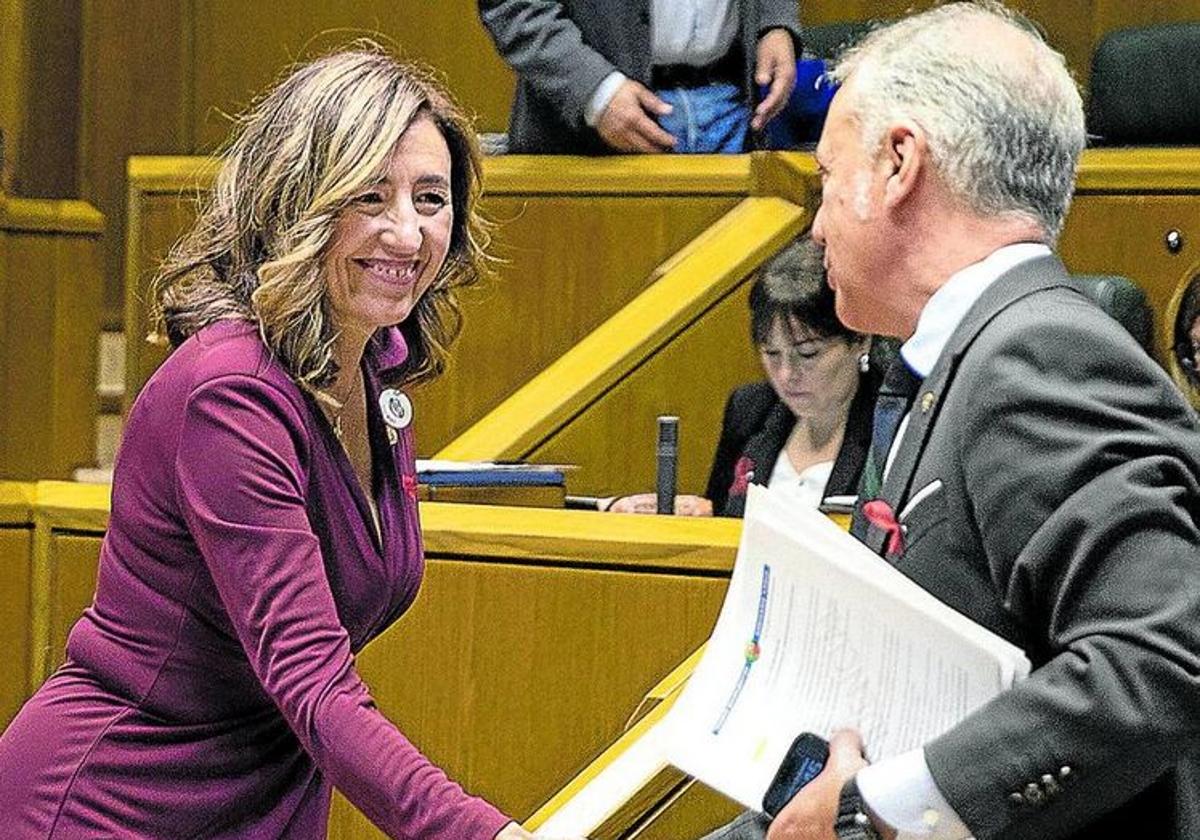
<point>298,157</point>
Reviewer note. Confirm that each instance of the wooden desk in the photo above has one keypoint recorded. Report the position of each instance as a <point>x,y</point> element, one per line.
<point>543,497</point>
<point>535,633</point>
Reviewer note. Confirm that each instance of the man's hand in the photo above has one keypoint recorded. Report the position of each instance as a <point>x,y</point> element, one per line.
<point>628,124</point>
<point>811,813</point>
<point>775,66</point>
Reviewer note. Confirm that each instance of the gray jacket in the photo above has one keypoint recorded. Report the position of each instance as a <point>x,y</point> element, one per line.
<point>561,51</point>
<point>1068,521</point>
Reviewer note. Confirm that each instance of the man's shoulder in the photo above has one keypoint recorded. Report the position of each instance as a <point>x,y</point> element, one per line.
<point>1059,319</point>
<point>1056,348</point>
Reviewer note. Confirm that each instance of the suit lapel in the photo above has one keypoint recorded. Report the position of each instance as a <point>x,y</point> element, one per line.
<point>764,447</point>
<point>1025,279</point>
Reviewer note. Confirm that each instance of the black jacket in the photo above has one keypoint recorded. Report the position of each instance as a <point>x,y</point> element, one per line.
<point>755,428</point>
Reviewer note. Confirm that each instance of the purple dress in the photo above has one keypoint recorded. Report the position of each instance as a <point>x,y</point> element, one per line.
<point>210,689</point>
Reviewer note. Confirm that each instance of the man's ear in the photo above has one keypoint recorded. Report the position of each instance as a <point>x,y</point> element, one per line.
<point>907,154</point>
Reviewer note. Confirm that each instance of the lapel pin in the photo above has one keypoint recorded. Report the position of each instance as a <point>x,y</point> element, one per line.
<point>927,401</point>
<point>396,409</point>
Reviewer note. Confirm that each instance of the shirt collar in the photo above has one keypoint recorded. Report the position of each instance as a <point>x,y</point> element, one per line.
<point>387,348</point>
<point>949,305</point>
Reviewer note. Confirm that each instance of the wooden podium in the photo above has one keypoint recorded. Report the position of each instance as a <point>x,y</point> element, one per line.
<point>667,804</point>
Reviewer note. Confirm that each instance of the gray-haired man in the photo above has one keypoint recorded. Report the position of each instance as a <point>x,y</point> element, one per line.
<point>1046,482</point>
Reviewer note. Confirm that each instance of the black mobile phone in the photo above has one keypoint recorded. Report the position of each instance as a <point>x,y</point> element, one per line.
<point>805,758</point>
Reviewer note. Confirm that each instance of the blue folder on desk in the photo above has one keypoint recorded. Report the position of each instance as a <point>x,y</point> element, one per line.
<point>492,478</point>
<point>476,474</point>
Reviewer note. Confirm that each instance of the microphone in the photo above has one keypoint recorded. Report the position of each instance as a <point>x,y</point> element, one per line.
<point>668,456</point>
<point>581,502</point>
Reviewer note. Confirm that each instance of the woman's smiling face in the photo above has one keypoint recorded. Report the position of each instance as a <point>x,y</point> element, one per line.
<point>390,242</point>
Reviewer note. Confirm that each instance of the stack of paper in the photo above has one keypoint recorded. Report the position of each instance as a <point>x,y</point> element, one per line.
<point>816,633</point>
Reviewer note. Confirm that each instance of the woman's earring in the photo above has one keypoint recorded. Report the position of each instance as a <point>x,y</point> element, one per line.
<point>864,363</point>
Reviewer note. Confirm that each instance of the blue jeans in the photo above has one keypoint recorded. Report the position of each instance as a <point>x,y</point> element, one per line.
<point>713,118</point>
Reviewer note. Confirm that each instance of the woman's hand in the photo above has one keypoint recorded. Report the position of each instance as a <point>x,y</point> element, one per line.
<point>512,831</point>
<point>648,503</point>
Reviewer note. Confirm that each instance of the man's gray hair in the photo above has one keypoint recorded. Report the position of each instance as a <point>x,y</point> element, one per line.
<point>1005,126</point>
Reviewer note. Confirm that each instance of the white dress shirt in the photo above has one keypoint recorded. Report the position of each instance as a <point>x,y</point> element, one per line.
<point>696,32</point>
<point>807,488</point>
<point>901,790</point>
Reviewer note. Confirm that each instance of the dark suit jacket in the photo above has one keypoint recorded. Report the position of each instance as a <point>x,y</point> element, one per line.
<point>1067,522</point>
<point>561,51</point>
<point>754,430</point>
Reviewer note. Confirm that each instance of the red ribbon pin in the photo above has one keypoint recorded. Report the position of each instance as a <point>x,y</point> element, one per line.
<point>880,514</point>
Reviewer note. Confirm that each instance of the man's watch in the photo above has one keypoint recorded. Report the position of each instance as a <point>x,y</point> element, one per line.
<point>852,821</point>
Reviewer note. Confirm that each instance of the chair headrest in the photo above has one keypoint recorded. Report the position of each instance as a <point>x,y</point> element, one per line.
<point>1145,86</point>
<point>1122,299</point>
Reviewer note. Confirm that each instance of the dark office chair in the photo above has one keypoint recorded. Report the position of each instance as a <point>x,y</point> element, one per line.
<point>829,39</point>
<point>1145,87</point>
<point>1124,300</point>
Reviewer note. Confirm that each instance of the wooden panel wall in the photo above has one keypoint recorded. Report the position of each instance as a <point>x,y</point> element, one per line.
<point>1073,27</point>
<point>613,441</point>
<point>16,558</point>
<point>1125,204</point>
<point>570,676</point>
<point>39,95</point>
<point>163,76</point>
<point>678,348</point>
<point>574,245</point>
<point>13,87</point>
<point>50,292</point>
<point>84,84</point>
<point>571,261</point>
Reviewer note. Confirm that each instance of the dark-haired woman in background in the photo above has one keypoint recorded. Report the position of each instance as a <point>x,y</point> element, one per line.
<point>264,515</point>
<point>806,430</point>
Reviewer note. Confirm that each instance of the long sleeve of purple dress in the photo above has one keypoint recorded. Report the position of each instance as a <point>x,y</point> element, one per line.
<point>210,690</point>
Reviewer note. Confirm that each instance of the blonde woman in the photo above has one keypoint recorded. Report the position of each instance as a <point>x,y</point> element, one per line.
<point>264,518</point>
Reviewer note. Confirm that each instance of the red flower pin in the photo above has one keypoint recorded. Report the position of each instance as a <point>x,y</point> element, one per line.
<point>880,514</point>
<point>743,471</point>
<point>409,483</point>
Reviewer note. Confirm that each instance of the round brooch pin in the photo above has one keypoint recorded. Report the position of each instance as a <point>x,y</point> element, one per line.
<point>396,408</point>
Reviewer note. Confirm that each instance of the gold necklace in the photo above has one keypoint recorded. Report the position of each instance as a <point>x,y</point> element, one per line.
<point>335,414</point>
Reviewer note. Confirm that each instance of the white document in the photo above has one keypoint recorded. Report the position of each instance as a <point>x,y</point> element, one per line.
<point>431,465</point>
<point>817,632</point>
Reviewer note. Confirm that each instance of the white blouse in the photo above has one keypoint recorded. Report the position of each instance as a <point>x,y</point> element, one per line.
<point>808,487</point>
